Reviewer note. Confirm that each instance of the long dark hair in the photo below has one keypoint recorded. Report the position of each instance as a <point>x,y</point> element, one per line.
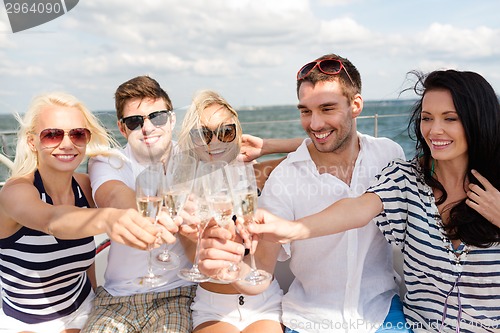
<point>478,108</point>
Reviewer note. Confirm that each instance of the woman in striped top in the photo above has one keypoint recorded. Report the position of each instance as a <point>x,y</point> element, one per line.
<point>442,209</point>
<point>46,245</point>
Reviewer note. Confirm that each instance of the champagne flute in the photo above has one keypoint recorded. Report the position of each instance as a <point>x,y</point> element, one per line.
<point>244,189</point>
<point>178,181</point>
<point>219,198</point>
<point>203,215</point>
<point>148,189</point>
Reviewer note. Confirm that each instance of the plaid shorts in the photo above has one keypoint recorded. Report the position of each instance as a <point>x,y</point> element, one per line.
<point>142,313</point>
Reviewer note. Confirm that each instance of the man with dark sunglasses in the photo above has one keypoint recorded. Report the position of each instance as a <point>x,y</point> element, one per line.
<point>343,282</point>
<point>146,120</point>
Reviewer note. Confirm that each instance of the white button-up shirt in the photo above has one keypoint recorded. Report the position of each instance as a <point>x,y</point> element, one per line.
<point>343,282</point>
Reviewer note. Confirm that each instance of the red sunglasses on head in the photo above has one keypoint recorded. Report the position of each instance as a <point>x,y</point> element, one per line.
<point>52,137</point>
<point>327,66</point>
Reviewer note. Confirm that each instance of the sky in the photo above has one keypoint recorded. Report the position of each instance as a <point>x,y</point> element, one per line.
<point>247,50</point>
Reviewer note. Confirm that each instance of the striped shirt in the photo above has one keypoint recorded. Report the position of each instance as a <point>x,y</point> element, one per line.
<point>463,285</point>
<point>44,278</point>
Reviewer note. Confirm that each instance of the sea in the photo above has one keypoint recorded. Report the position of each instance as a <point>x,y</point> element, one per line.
<point>379,118</point>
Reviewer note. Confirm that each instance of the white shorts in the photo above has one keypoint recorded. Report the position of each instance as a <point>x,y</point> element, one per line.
<point>237,309</point>
<point>75,320</point>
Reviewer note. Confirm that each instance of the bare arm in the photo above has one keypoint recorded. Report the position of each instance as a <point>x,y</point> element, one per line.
<point>67,221</point>
<point>274,146</point>
<point>253,147</point>
<point>92,277</point>
<point>117,194</point>
<point>343,215</point>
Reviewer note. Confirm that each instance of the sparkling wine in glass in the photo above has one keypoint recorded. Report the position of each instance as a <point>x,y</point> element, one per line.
<point>244,189</point>
<point>202,215</point>
<point>219,198</point>
<point>148,190</point>
<point>178,181</point>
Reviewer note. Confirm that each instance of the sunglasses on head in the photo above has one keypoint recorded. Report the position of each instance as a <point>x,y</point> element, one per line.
<point>327,66</point>
<point>52,137</point>
<point>157,118</point>
<point>203,135</point>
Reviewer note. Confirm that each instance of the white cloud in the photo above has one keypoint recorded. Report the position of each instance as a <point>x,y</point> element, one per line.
<point>336,2</point>
<point>247,49</point>
<point>5,31</point>
<point>12,69</point>
<point>346,30</point>
<point>447,40</point>
<point>430,65</point>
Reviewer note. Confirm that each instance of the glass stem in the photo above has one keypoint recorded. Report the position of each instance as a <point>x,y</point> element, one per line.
<point>150,254</point>
<point>165,253</point>
<point>150,261</point>
<point>201,230</point>
<point>253,266</point>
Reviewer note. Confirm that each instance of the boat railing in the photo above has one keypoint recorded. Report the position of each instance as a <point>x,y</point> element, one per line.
<point>7,137</point>
<point>375,118</point>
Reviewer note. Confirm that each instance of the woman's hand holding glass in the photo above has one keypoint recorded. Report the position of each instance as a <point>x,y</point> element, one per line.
<point>244,189</point>
<point>199,219</point>
<point>218,195</point>
<point>218,247</point>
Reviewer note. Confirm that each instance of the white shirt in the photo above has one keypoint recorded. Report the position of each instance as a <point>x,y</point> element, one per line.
<point>343,282</point>
<point>126,264</point>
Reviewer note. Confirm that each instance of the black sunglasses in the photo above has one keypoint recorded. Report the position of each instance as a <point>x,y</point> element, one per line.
<point>52,137</point>
<point>327,66</point>
<point>157,118</point>
<point>203,136</point>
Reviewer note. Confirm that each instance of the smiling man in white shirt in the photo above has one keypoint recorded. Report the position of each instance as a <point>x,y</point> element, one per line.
<point>343,282</point>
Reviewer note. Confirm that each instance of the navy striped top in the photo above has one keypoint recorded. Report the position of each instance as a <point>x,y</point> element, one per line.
<point>461,286</point>
<point>44,278</point>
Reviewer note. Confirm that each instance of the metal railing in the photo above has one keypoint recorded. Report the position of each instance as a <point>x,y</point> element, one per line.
<point>7,148</point>
<point>375,118</point>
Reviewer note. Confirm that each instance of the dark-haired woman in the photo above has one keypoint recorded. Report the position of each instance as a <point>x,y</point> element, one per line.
<point>442,209</point>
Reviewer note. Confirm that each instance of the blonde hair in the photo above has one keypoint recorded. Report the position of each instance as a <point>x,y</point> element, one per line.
<point>192,119</point>
<point>25,161</point>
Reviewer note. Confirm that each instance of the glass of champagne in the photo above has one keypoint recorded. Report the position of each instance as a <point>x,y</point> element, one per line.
<point>244,189</point>
<point>219,198</point>
<point>202,216</point>
<point>178,180</point>
<point>148,189</point>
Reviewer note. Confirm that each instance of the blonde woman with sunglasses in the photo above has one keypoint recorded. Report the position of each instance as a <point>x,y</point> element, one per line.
<point>46,245</point>
<point>211,131</point>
